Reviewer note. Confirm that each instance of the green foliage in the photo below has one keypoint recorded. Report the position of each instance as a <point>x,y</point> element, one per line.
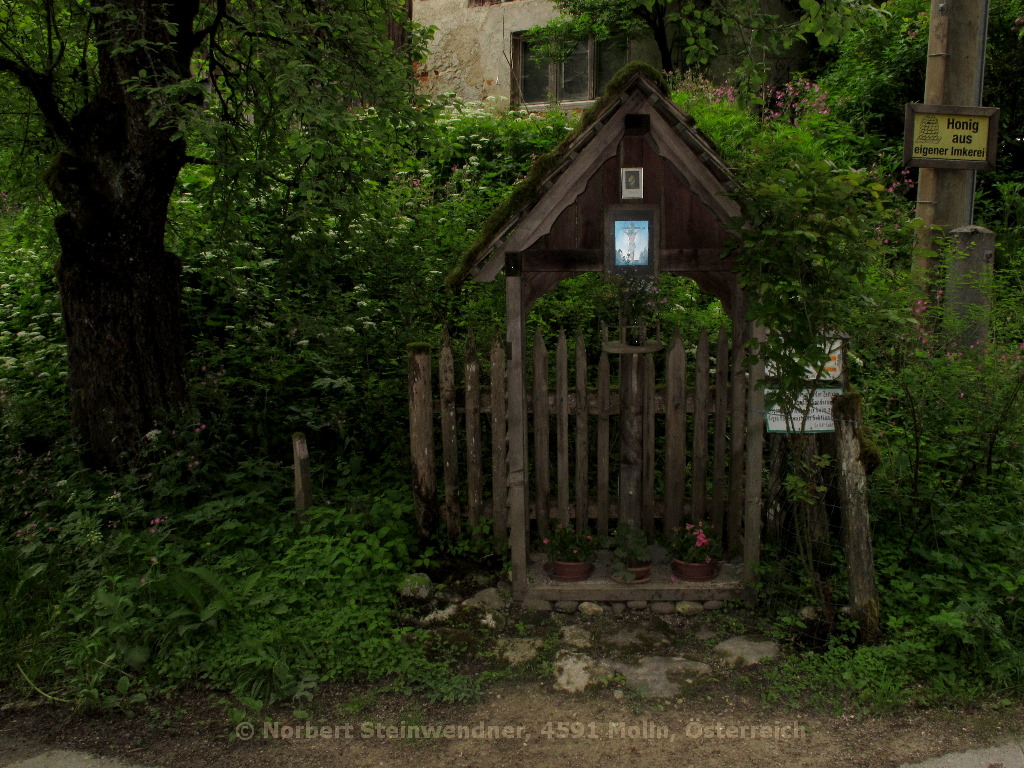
<point>228,592</point>
<point>735,38</point>
<point>881,68</point>
<point>565,545</point>
<point>812,233</point>
<point>629,547</point>
<point>299,307</point>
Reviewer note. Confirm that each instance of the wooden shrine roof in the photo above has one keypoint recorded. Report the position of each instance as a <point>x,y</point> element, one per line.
<point>554,218</point>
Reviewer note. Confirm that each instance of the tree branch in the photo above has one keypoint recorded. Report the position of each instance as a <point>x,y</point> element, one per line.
<point>40,87</point>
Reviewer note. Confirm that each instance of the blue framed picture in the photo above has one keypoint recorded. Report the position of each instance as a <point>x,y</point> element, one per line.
<point>631,240</point>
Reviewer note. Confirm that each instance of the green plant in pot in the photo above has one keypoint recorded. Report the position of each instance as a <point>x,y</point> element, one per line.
<point>632,556</point>
<point>570,553</point>
<point>695,552</point>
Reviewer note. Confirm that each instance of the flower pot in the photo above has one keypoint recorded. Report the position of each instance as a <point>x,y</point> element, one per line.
<point>561,571</point>
<point>641,574</point>
<point>693,571</point>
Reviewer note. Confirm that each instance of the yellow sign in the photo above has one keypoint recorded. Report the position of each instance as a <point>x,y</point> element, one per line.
<point>950,137</point>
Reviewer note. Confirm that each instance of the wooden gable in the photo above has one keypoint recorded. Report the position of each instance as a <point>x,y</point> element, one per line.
<point>561,232</point>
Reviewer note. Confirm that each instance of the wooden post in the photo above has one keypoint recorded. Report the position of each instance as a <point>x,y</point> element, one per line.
<point>421,440</point>
<point>449,438</point>
<point>721,419</point>
<point>631,436</point>
<point>303,478</point>
<point>581,490</point>
<point>754,463</point>
<point>541,432</point>
<point>737,443</point>
<point>474,449</point>
<point>969,284</point>
<point>562,426</point>
<point>954,76</point>
<point>647,497</point>
<point>675,432</point>
<point>604,408</point>
<point>700,428</point>
<point>846,410</point>
<point>519,524</point>
<point>499,447</point>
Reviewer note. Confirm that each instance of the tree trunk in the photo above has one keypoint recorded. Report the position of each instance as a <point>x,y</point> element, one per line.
<point>120,289</point>
<point>654,18</point>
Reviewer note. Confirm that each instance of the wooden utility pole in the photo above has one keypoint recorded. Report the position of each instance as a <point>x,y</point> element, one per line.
<point>955,76</point>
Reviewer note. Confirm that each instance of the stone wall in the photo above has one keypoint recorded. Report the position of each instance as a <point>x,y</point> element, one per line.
<point>471,52</point>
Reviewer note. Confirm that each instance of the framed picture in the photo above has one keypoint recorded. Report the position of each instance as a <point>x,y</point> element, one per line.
<point>631,240</point>
<point>632,183</point>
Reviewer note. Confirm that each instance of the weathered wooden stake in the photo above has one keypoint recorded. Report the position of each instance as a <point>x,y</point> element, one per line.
<point>675,432</point>
<point>630,437</point>
<point>581,490</point>
<point>449,438</point>
<point>754,465</point>
<point>474,449</point>
<point>303,477</point>
<point>421,440</point>
<point>846,410</point>
<point>518,475</point>
<point>562,426</point>
<point>499,447</point>
<point>541,432</point>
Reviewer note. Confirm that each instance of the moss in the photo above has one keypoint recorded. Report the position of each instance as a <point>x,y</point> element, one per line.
<point>418,347</point>
<point>527,192</point>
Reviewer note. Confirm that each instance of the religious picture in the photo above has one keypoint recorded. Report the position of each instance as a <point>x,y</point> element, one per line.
<point>632,243</point>
<point>632,183</point>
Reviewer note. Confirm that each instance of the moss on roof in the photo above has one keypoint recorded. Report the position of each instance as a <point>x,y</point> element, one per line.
<point>528,191</point>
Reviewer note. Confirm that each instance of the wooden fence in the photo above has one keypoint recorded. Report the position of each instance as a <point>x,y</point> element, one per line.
<point>669,419</point>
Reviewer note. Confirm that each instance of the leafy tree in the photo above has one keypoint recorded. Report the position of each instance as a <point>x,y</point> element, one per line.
<point>692,34</point>
<point>110,90</point>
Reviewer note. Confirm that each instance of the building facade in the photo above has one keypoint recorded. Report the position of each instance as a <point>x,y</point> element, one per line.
<point>479,53</point>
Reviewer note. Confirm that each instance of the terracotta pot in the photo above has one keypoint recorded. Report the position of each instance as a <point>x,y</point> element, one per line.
<point>641,574</point>
<point>560,571</point>
<point>693,571</point>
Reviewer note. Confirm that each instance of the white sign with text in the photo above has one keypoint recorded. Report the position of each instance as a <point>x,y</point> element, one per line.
<point>811,413</point>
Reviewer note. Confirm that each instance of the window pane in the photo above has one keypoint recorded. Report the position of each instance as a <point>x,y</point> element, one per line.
<point>575,75</point>
<point>611,57</point>
<point>534,73</point>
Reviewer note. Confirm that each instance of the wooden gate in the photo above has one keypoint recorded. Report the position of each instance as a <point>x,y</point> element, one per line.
<point>653,436</point>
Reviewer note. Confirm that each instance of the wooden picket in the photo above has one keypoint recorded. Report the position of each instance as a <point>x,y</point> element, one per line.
<point>698,474</point>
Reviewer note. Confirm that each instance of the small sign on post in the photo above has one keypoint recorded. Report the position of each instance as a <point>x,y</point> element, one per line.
<point>812,412</point>
<point>938,136</point>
